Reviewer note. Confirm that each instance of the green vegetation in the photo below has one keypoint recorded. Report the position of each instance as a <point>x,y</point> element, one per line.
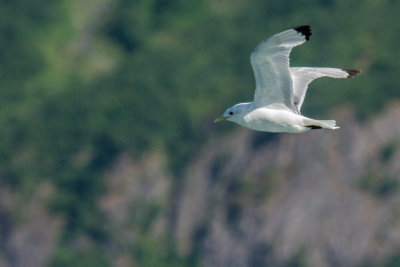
<point>83,81</point>
<point>389,150</point>
<point>299,259</point>
<point>379,185</point>
<point>81,258</point>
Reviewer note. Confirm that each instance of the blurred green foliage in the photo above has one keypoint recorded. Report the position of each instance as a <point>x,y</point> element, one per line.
<point>83,81</point>
<point>81,258</point>
<point>380,185</point>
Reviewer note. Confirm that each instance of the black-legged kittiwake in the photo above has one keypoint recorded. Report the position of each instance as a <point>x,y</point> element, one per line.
<point>280,89</point>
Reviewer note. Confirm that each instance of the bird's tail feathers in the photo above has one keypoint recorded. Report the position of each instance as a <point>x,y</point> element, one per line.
<point>330,124</point>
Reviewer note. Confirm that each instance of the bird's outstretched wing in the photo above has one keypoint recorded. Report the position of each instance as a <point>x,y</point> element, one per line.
<point>303,76</point>
<point>270,62</point>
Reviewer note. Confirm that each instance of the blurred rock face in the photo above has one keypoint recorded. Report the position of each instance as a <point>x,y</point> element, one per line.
<point>328,196</point>
<point>323,198</point>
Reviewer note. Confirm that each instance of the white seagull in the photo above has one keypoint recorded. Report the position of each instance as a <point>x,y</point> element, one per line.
<point>280,89</point>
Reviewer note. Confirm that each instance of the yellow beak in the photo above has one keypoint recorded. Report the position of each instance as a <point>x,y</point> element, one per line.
<point>221,118</point>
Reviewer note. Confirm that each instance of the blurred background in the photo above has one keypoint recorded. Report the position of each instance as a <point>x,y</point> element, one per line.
<point>109,157</point>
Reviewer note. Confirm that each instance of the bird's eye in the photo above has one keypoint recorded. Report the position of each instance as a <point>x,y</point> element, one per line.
<point>230,113</point>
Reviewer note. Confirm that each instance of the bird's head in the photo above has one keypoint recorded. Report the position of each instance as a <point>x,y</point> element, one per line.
<point>234,113</point>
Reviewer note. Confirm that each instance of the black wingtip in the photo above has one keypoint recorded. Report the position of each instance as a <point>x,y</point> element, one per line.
<point>304,30</point>
<point>352,73</point>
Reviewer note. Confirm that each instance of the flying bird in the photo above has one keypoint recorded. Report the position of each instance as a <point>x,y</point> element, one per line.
<point>280,89</point>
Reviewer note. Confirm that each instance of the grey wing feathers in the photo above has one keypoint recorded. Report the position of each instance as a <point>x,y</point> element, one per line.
<point>270,62</point>
<point>302,76</point>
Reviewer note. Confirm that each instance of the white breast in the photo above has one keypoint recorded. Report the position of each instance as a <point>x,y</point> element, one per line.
<point>273,120</point>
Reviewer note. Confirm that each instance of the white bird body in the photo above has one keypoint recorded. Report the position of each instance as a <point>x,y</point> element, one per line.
<point>274,119</point>
<point>280,89</point>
